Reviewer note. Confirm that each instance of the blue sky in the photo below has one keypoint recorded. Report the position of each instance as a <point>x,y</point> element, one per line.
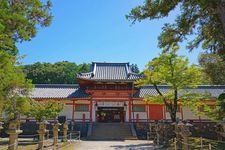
<point>97,30</point>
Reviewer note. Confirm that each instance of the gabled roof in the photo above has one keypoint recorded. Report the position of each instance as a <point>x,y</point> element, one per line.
<point>102,71</point>
<point>213,90</point>
<point>58,91</point>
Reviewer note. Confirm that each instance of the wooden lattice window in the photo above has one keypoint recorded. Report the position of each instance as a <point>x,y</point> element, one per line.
<point>139,108</point>
<point>82,108</point>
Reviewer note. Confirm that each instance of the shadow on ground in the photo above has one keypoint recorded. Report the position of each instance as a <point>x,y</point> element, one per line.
<point>133,147</point>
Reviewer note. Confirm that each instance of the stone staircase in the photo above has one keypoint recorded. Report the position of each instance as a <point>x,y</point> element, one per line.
<point>111,131</point>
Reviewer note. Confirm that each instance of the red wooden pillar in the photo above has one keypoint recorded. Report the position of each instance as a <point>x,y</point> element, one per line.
<point>73,110</point>
<point>137,118</point>
<point>129,109</point>
<point>83,119</point>
<point>91,103</point>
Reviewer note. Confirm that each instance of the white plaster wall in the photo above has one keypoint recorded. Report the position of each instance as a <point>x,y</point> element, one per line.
<point>67,111</point>
<point>178,115</point>
<point>188,114</point>
<point>142,115</point>
<point>79,115</point>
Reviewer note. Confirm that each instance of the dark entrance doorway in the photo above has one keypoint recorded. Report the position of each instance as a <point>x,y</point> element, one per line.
<point>110,114</point>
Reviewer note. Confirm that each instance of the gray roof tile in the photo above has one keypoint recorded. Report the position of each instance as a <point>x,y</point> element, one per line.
<point>74,91</point>
<point>213,90</point>
<point>109,72</point>
<point>58,91</point>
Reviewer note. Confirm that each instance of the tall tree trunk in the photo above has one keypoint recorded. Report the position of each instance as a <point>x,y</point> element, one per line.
<point>221,12</point>
<point>173,115</point>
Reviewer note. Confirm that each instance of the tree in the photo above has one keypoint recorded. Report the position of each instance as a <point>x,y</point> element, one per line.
<point>19,20</point>
<point>45,109</point>
<point>214,67</point>
<point>203,20</point>
<point>63,72</point>
<point>173,70</point>
<point>134,68</point>
<point>14,88</point>
<point>218,113</point>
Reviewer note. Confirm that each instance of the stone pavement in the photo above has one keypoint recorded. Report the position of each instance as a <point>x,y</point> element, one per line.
<point>114,145</point>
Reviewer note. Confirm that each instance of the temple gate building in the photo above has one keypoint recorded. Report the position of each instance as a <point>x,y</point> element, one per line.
<point>108,94</point>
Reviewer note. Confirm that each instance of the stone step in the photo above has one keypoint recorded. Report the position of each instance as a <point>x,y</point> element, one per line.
<point>111,131</point>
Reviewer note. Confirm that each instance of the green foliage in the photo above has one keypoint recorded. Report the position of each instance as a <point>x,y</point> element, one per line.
<point>58,73</point>
<point>214,67</point>
<point>19,20</point>
<point>14,88</point>
<point>45,109</point>
<point>134,68</point>
<point>219,112</point>
<point>221,103</point>
<point>175,71</point>
<point>203,20</point>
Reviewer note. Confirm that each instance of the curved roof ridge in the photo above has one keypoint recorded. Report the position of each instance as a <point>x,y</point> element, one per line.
<point>55,85</point>
<point>111,62</point>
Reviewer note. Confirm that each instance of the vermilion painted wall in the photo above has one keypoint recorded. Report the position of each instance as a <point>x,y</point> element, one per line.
<point>156,112</point>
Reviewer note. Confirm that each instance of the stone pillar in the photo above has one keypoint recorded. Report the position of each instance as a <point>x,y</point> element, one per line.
<point>56,125</point>
<point>41,131</point>
<point>13,132</point>
<point>65,129</point>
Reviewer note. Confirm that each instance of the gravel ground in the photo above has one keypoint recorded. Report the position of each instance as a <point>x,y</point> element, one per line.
<point>114,145</point>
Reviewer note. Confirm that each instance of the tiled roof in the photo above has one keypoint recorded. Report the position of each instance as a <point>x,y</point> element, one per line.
<point>74,91</point>
<point>58,91</point>
<point>110,72</point>
<point>213,90</point>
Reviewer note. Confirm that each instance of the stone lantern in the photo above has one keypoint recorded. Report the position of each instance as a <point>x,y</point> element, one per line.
<point>56,130</point>
<point>65,129</point>
<point>183,132</point>
<point>13,132</point>
<point>220,130</point>
<point>41,131</point>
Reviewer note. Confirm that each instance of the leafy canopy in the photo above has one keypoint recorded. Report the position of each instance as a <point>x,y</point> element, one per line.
<point>19,20</point>
<point>58,73</point>
<point>45,109</point>
<point>14,88</point>
<point>218,113</point>
<point>174,71</point>
<point>214,67</point>
<point>204,20</point>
